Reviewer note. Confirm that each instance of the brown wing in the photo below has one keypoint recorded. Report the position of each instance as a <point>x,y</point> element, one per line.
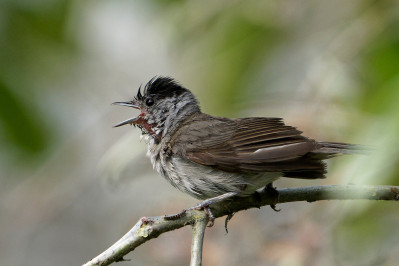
<point>248,145</point>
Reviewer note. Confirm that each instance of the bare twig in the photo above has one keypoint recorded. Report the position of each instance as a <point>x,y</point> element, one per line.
<point>198,239</point>
<point>148,228</point>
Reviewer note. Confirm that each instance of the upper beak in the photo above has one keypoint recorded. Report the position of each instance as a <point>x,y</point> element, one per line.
<point>130,120</point>
<point>128,104</point>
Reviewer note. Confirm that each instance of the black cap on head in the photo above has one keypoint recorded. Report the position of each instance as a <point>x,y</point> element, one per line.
<point>161,87</point>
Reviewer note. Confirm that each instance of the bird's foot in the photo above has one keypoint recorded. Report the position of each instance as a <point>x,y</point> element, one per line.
<point>205,205</point>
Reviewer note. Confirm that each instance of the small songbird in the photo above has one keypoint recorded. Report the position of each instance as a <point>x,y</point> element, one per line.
<point>216,157</point>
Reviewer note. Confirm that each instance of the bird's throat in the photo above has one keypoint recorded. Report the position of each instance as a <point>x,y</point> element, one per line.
<point>149,128</point>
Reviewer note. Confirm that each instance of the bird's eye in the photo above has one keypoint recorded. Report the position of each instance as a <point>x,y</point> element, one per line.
<point>149,102</point>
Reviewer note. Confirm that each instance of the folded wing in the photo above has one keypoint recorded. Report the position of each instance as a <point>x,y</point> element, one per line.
<point>248,145</point>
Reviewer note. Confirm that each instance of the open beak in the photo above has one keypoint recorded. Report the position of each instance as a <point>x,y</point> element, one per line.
<point>130,121</point>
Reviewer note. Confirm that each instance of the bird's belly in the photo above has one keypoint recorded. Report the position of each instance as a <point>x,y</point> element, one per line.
<point>204,182</point>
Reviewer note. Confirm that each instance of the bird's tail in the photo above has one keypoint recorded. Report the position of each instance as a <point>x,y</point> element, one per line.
<point>332,149</point>
<point>312,165</point>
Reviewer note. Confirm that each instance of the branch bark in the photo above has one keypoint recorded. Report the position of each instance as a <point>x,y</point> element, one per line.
<point>198,240</point>
<point>151,227</point>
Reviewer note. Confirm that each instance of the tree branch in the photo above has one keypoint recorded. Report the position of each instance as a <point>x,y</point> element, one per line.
<point>198,239</point>
<point>151,227</point>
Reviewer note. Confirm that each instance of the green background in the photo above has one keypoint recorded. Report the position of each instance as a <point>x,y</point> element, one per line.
<point>71,185</point>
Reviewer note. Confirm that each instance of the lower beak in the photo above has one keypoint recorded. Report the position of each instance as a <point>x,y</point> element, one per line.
<point>130,121</point>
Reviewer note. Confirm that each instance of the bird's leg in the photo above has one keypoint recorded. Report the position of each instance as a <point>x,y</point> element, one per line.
<point>204,205</point>
<point>272,191</point>
<point>213,200</point>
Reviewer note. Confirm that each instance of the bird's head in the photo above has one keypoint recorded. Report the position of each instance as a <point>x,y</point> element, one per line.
<point>163,104</point>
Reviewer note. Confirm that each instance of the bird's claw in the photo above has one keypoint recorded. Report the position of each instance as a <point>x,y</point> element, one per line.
<point>272,191</point>
<point>274,208</point>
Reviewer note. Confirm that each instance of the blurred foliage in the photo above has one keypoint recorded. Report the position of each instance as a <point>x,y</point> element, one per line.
<point>234,43</point>
<point>23,128</point>
<point>30,32</point>
<point>380,70</point>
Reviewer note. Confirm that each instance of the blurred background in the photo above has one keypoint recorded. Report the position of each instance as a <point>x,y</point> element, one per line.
<point>71,185</point>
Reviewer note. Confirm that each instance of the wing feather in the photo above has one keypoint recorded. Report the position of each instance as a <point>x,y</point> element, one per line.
<point>247,145</point>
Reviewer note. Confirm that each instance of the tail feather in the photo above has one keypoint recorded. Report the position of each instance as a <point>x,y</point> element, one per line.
<point>327,150</point>
<point>324,150</point>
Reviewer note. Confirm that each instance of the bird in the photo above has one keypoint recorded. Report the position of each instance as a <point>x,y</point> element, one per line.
<point>213,158</point>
